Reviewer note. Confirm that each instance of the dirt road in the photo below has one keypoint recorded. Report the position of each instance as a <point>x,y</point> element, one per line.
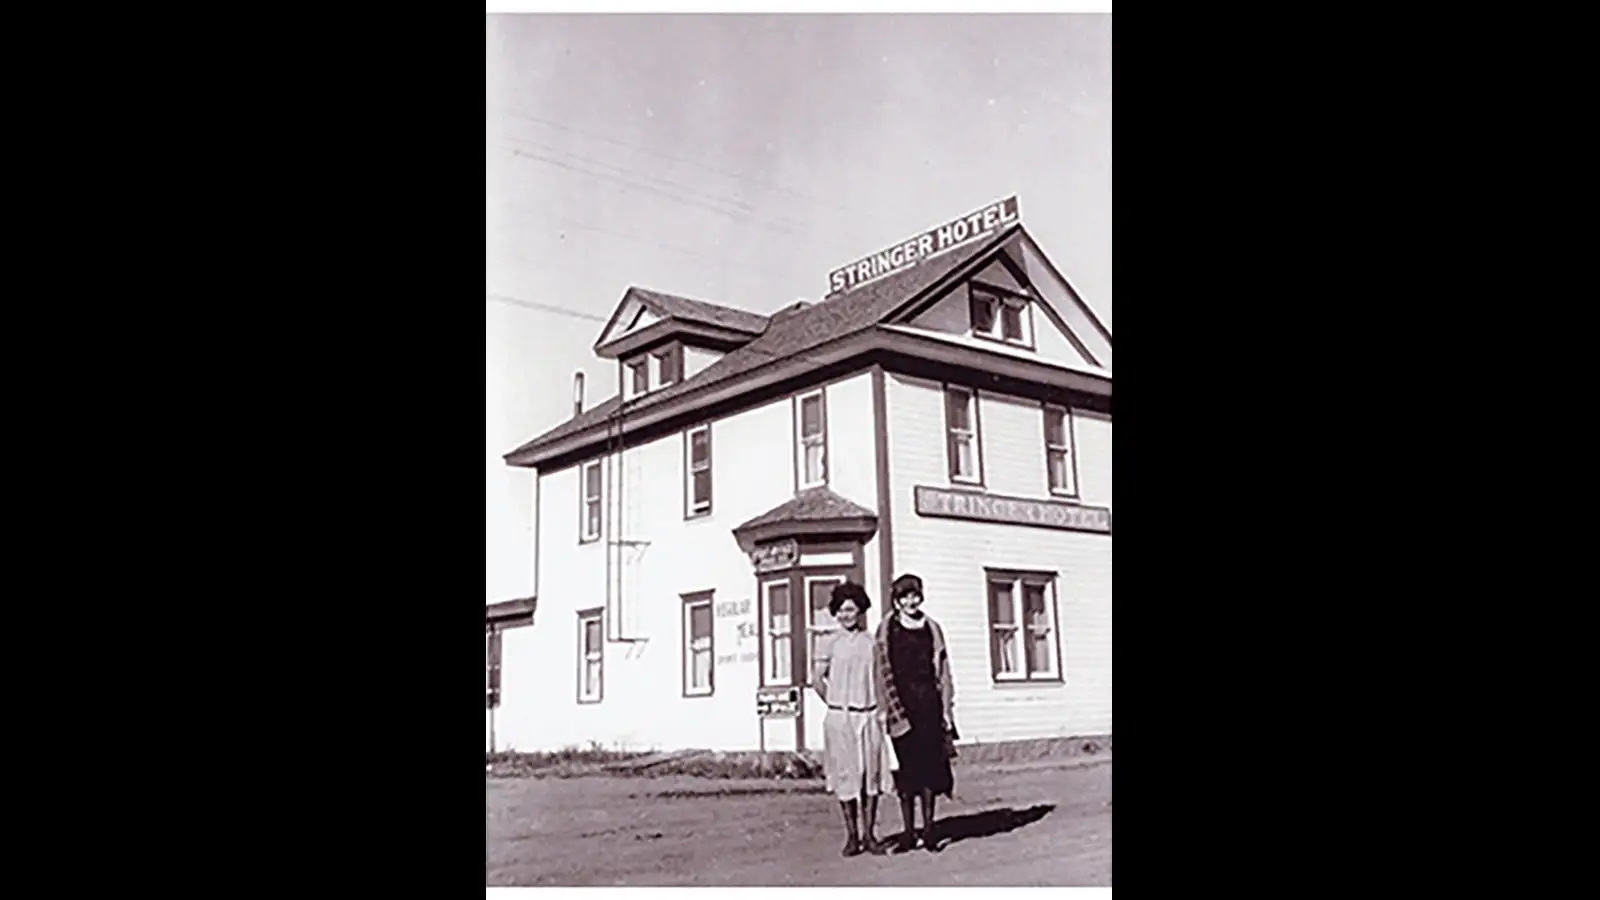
<point>1035,825</point>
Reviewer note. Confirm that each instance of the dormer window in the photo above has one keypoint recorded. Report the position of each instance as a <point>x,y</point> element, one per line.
<point>661,373</point>
<point>639,377</point>
<point>652,371</point>
<point>999,317</point>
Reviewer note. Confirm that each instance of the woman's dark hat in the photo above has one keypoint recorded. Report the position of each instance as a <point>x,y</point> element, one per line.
<point>904,585</point>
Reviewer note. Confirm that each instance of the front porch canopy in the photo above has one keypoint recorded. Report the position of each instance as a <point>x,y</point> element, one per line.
<point>815,514</point>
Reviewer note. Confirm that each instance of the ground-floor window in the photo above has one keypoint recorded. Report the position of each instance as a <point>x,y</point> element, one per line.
<point>1024,639</point>
<point>819,591</point>
<point>591,656</point>
<point>778,663</point>
<point>698,649</point>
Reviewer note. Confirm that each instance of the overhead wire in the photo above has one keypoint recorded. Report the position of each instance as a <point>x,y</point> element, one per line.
<point>763,222</point>
<point>518,114</point>
<point>646,242</point>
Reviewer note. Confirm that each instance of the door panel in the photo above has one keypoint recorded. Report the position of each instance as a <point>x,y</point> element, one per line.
<point>778,626</point>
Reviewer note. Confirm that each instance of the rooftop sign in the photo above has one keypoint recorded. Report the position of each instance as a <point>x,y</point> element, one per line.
<point>930,243</point>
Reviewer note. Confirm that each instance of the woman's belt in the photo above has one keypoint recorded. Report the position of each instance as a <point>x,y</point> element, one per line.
<point>872,708</point>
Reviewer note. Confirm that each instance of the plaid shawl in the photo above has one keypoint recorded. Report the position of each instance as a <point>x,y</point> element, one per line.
<point>889,696</point>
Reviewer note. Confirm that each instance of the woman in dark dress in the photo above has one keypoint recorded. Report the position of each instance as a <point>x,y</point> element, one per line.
<point>914,668</point>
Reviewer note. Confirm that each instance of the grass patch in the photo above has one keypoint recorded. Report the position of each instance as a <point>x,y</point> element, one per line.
<point>594,759</point>
<point>564,762</point>
<point>574,762</point>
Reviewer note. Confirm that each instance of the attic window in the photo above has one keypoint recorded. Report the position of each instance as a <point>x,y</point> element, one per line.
<point>999,317</point>
<point>661,368</point>
<point>639,377</point>
<point>652,371</point>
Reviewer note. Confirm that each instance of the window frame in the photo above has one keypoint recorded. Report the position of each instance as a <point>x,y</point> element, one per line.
<point>1015,579</point>
<point>813,632</point>
<point>685,643</point>
<point>663,368</point>
<point>584,537</point>
<point>976,479</point>
<point>585,616</point>
<point>1070,448</point>
<point>1000,298</point>
<point>767,638</point>
<point>690,510</point>
<point>635,368</point>
<point>800,444</point>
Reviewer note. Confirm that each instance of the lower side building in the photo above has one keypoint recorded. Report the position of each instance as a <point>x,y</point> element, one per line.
<point>719,657</point>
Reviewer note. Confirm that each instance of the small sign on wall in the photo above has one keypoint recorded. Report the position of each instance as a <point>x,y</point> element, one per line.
<point>778,703</point>
<point>775,557</point>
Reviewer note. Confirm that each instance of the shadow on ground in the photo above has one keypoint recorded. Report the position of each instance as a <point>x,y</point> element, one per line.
<point>988,823</point>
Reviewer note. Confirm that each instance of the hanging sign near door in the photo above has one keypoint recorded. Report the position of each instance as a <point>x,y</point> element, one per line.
<point>778,703</point>
<point>775,557</point>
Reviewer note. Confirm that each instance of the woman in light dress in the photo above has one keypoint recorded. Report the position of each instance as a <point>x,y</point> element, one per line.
<point>856,751</point>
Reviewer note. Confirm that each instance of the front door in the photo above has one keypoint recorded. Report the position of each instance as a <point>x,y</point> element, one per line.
<point>793,616</point>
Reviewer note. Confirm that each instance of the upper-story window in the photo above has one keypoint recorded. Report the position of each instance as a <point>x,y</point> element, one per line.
<point>999,317</point>
<point>1060,469</point>
<point>639,377</point>
<point>661,368</point>
<point>589,511</point>
<point>962,445</point>
<point>697,471</point>
<point>651,371</point>
<point>811,434</point>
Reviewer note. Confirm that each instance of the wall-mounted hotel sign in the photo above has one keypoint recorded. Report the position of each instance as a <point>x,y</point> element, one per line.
<point>775,557</point>
<point>930,243</point>
<point>973,506</point>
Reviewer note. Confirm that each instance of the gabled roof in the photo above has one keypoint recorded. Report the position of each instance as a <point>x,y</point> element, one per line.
<point>723,326</point>
<point>813,512</point>
<point>701,312</point>
<point>791,332</point>
<point>810,505</point>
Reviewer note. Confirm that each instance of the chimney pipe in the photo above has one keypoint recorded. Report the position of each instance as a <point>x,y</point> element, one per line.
<point>577,394</point>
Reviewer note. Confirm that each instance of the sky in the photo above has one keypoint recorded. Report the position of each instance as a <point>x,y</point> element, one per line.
<point>739,159</point>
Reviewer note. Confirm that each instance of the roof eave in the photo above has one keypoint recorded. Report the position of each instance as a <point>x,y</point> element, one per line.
<point>860,343</point>
<point>841,527</point>
<point>530,455</point>
<point>510,613</point>
<point>1094,317</point>
<point>670,328</point>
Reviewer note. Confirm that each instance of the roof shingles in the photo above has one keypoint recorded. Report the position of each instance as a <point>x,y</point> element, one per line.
<point>690,310</point>
<point>789,332</point>
<point>811,505</point>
